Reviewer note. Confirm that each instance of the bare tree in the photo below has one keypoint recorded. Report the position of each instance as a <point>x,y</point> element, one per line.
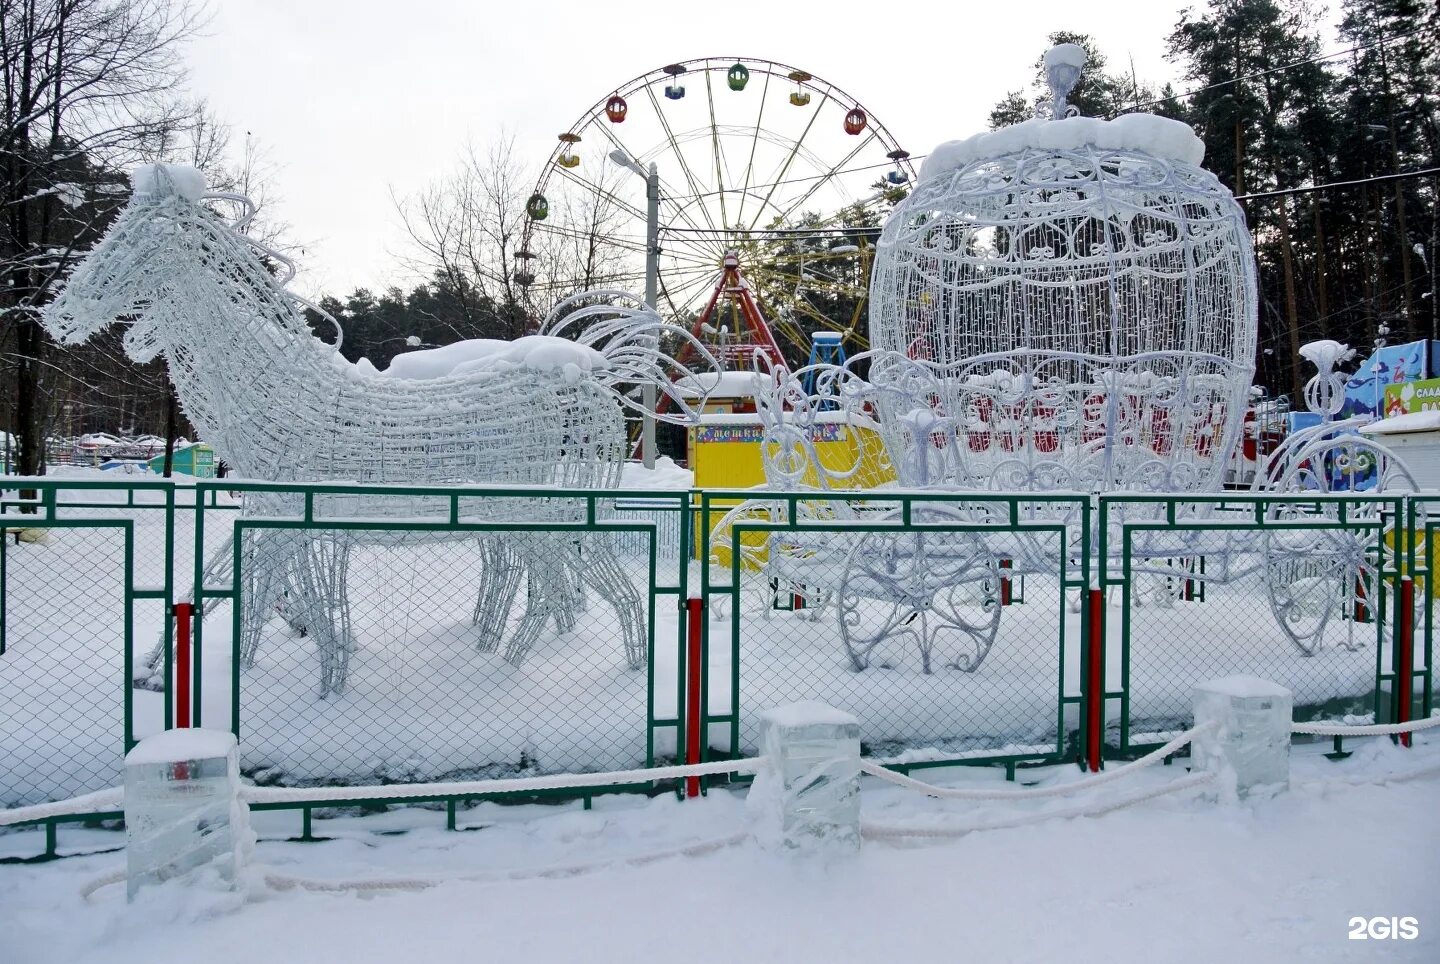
<point>578,248</point>
<point>90,87</point>
<point>466,230</point>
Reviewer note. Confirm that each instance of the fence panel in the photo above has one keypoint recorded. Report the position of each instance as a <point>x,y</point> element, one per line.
<point>81,584</point>
<point>1298,590</point>
<point>949,628</point>
<point>1424,524</point>
<point>358,649</point>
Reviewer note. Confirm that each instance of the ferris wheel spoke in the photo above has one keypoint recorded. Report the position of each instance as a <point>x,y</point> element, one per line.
<point>750,163</point>
<point>603,192</point>
<point>691,255</point>
<point>715,150</point>
<point>683,289</point>
<point>789,159</point>
<point>667,193</point>
<point>679,156</point>
<point>826,178</point>
<point>576,234</point>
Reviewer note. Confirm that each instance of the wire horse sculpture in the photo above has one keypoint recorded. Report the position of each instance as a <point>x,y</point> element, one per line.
<point>279,404</point>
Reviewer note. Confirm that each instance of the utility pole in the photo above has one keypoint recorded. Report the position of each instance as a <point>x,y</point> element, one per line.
<point>652,284</point>
<point>649,396</point>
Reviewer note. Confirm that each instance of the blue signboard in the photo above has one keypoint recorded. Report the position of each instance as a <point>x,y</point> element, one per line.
<point>1365,391</point>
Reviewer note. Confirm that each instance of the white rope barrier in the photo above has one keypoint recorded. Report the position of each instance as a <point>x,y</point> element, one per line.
<point>873,831</point>
<point>1031,793</point>
<point>376,885</point>
<point>1370,729</point>
<point>111,799</point>
<point>372,885</point>
<point>479,788</point>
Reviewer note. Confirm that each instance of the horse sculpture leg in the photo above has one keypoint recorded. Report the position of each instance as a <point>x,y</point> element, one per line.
<point>266,564</point>
<point>601,571</point>
<point>322,604</point>
<point>546,593</point>
<point>501,571</point>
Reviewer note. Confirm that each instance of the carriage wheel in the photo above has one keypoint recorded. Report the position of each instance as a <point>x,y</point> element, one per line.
<point>937,591</point>
<point>1316,576</point>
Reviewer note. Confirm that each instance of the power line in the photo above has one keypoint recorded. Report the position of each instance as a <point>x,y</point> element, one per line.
<point>1273,70</point>
<point>776,232</point>
<point>1283,192</point>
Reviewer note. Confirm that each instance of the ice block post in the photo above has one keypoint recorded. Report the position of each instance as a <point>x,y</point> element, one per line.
<point>183,808</point>
<point>1251,735</point>
<point>814,771</point>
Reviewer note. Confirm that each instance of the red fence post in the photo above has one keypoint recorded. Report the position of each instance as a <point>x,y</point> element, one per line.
<point>1095,681</point>
<point>1405,656</point>
<point>1006,594</point>
<point>182,664</point>
<point>693,664</point>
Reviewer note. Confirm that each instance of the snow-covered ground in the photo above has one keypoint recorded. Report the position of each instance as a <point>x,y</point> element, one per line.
<point>1173,879</point>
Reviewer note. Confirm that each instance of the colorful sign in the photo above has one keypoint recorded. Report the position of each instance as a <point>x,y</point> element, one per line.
<point>1421,396</point>
<point>825,432</point>
<point>1367,390</point>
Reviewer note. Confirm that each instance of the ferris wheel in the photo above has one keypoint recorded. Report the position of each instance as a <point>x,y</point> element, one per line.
<point>760,159</point>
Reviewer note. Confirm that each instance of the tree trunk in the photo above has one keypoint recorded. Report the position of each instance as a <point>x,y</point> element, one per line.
<point>1292,314</point>
<point>30,342</point>
<point>170,431</point>
<point>1321,282</point>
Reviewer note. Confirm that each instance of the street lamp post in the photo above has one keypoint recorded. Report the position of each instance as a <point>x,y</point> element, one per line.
<point>652,284</point>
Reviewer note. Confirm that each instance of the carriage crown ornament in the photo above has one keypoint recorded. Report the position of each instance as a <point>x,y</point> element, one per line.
<point>1065,303</point>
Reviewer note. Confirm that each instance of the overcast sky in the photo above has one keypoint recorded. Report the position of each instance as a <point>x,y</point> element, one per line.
<point>354,99</point>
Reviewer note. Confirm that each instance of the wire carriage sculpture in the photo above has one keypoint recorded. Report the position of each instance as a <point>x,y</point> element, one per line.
<point>1067,305</point>
<point>279,404</point>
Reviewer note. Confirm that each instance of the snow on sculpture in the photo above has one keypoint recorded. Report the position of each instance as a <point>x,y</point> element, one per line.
<point>279,404</point>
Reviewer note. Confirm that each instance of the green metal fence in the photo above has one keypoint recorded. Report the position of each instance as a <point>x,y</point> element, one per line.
<point>1299,590</point>
<point>423,681</point>
<point>854,600</point>
<point>955,626</point>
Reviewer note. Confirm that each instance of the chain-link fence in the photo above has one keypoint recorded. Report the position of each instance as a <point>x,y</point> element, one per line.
<point>949,628</point>
<point>82,578</point>
<point>414,636</point>
<point>361,633</point>
<point>1292,590</point>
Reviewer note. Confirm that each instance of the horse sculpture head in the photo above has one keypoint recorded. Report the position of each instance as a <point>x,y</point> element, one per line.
<point>142,261</point>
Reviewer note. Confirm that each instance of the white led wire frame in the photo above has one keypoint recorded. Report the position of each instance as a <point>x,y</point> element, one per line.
<point>280,405</point>
<point>1073,319</point>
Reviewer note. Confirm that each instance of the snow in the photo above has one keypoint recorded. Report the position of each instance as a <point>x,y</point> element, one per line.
<point>1071,55</point>
<point>1158,136</point>
<point>178,746</point>
<point>665,475</point>
<point>719,385</point>
<point>163,179</point>
<point>1243,687</point>
<point>808,713</point>
<point>1174,879</point>
<point>1427,421</point>
<point>1325,354</point>
<point>532,352</point>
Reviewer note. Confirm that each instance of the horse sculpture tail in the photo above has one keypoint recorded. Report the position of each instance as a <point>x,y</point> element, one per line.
<point>638,344</point>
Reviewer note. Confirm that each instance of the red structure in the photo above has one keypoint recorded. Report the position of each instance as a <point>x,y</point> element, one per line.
<point>735,347</point>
